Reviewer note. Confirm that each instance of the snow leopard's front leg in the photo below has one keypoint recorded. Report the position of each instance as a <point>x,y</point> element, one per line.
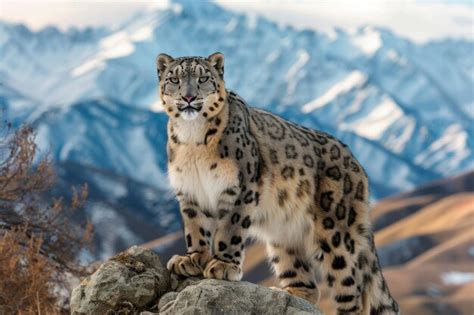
<point>198,235</point>
<point>232,230</point>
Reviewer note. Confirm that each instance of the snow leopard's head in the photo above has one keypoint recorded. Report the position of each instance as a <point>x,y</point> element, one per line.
<point>191,87</point>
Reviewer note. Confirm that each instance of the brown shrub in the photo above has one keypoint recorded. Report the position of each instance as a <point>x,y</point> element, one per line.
<point>26,285</point>
<point>38,242</point>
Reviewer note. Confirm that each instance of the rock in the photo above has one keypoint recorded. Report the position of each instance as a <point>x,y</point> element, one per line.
<point>135,282</point>
<point>224,297</point>
<point>131,280</point>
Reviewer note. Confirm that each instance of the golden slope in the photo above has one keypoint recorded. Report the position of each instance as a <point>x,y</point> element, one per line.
<point>454,212</point>
<point>443,211</point>
<point>418,284</point>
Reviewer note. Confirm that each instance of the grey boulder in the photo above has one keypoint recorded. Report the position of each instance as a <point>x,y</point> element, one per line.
<point>135,282</point>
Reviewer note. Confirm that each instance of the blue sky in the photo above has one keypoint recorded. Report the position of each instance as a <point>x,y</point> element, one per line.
<point>418,20</point>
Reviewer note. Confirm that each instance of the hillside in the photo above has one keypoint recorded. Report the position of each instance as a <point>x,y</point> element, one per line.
<point>402,107</point>
<point>434,235</point>
<point>425,241</point>
<point>400,103</point>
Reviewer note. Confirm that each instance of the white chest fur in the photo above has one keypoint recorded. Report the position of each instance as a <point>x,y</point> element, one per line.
<point>201,175</point>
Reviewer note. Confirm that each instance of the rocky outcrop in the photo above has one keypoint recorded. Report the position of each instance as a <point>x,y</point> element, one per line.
<point>136,282</point>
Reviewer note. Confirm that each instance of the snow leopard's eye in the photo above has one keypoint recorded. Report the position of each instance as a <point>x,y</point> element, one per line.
<point>203,79</point>
<point>174,80</point>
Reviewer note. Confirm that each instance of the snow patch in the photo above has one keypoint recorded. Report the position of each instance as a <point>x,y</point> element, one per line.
<point>114,46</point>
<point>252,20</point>
<point>395,57</point>
<point>117,45</point>
<point>87,66</point>
<point>379,119</point>
<point>272,56</point>
<point>157,106</point>
<point>330,33</point>
<point>357,103</point>
<point>392,55</point>
<point>355,79</point>
<point>369,41</point>
<point>142,34</point>
<point>176,8</point>
<point>452,143</point>
<point>231,25</point>
<point>292,75</point>
<point>398,142</point>
<point>457,277</point>
<point>43,139</point>
<point>114,188</point>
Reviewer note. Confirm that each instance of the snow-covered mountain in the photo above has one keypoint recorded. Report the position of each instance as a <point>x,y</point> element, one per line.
<point>122,211</point>
<point>109,135</point>
<point>405,109</point>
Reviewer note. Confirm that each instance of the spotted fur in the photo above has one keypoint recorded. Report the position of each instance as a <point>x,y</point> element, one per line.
<point>242,172</point>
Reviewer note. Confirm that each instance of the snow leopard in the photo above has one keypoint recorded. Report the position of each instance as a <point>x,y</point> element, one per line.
<point>243,173</point>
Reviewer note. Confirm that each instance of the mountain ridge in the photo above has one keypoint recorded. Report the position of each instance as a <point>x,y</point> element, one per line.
<point>294,68</point>
<point>404,109</point>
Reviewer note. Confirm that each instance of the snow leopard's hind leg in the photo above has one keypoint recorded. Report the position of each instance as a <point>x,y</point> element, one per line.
<point>294,272</point>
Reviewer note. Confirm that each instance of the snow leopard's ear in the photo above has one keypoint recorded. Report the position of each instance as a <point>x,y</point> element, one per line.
<point>162,62</point>
<point>217,61</point>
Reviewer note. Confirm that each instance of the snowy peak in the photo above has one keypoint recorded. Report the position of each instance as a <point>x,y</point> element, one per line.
<point>405,109</point>
<point>353,80</point>
<point>49,35</point>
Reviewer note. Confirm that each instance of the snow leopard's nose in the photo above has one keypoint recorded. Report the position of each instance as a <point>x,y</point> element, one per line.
<point>189,98</point>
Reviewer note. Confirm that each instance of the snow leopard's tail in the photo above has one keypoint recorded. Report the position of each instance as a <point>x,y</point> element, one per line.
<point>377,299</point>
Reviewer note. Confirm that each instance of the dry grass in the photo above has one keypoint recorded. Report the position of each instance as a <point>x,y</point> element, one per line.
<point>38,242</point>
<point>28,277</point>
